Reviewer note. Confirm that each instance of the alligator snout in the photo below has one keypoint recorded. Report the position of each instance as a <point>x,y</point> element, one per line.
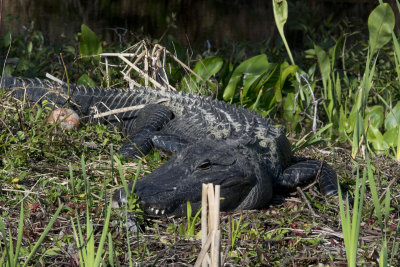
<point>168,189</point>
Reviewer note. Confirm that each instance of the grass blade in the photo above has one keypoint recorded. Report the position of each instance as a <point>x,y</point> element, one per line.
<point>44,234</point>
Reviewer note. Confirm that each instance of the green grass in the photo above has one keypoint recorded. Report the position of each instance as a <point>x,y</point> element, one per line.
<point>279,235</point>
<point>341,102</point>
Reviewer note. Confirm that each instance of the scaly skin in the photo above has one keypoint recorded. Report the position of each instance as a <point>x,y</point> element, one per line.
<point>211,142</point>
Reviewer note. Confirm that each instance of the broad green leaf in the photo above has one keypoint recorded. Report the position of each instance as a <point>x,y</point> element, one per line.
<point>253,83</point>
<point>380,25</point>
<point>324,64</point>
<point>254,66</point>
<point>89,43</point>
<point>281,14</point>
<point>280,8</point>
<point>285,71</point>
<point>335,51</point>
<point>374,117</point>
<point>375,137</point>
<point>288,107</point>
<point>391,136</point>
<point>226,73</point>
<point>207,67</point>
<point>204,68</point>
<point>393,117</point>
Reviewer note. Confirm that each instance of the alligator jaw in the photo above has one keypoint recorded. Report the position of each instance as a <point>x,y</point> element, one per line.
<point>168,189</point>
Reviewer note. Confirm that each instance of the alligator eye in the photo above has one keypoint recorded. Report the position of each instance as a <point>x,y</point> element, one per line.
<point>204,165</point>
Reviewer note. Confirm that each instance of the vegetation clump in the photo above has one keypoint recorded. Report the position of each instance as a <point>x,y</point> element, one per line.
<point>343,99</point>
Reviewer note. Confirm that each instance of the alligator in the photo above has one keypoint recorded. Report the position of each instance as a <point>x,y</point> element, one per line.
<point>209,141</point>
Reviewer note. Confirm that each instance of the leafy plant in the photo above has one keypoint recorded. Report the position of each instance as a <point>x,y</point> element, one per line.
<point>380,24</point>
<point>351,224</point>
<point>188,229</point>
<point>205,69</point>
<point>89,43</point>
<point>237,229</point>
<point>10,257</point>
<point>88,255</point>
<point>133,201</point>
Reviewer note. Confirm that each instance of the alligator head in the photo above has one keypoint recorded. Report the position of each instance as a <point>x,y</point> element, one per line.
<point>229,163</point>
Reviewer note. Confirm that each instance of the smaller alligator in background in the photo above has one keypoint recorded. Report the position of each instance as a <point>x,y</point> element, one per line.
<point>210,142</point>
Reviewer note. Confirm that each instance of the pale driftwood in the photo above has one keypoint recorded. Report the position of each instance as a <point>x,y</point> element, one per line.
<point>107,73</point>
<point>140,64</point>
<point>117,54</point>
<point>131,82</point>
<point>184,65</point>
<point>214,212</point>
<point>120,110</point>
<point>51,77</point>
<point>215,249</point>
<point>204,228</point>
<point>204,250</point>
<point>211,234</point>
<point>146,69</point>
<point>154,82</point>
<point>216,208</point>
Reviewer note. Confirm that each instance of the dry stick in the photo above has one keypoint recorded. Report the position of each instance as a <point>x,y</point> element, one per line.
<point>211,204</point>
<point>139,57</point>
<point>215,256</point>
<point>203,251</point>
<point>107,73</point>
<point>216,249</point>
<point>146,69</point>
<point>142,73</point>
<point>120,110</point>
<point>213,199</point>
<point>216,200</point>
<point>51,77</point>
<point>116,54</point>
<point>140,44</point>
<point>130,81</point>
<point>387,188</point>
<point>204,227</point>
<point>183,65</point>
<point>307,202</point>
<point>211,215</point>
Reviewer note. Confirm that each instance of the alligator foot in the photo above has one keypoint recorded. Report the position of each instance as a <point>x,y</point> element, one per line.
<point>304,172</point>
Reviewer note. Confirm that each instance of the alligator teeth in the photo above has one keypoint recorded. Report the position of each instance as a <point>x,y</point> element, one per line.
<point>162,212</point>
<point>156,212</point>
<point>152,209</point>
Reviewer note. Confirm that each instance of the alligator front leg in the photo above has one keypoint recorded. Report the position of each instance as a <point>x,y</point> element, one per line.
<point>304,172</point>
<point>168,143</point>
<point>141,130</point>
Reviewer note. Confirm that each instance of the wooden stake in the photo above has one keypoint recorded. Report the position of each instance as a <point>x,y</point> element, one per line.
<point>204,222</point>
<point>203,251</point>
<point>211,235</point>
